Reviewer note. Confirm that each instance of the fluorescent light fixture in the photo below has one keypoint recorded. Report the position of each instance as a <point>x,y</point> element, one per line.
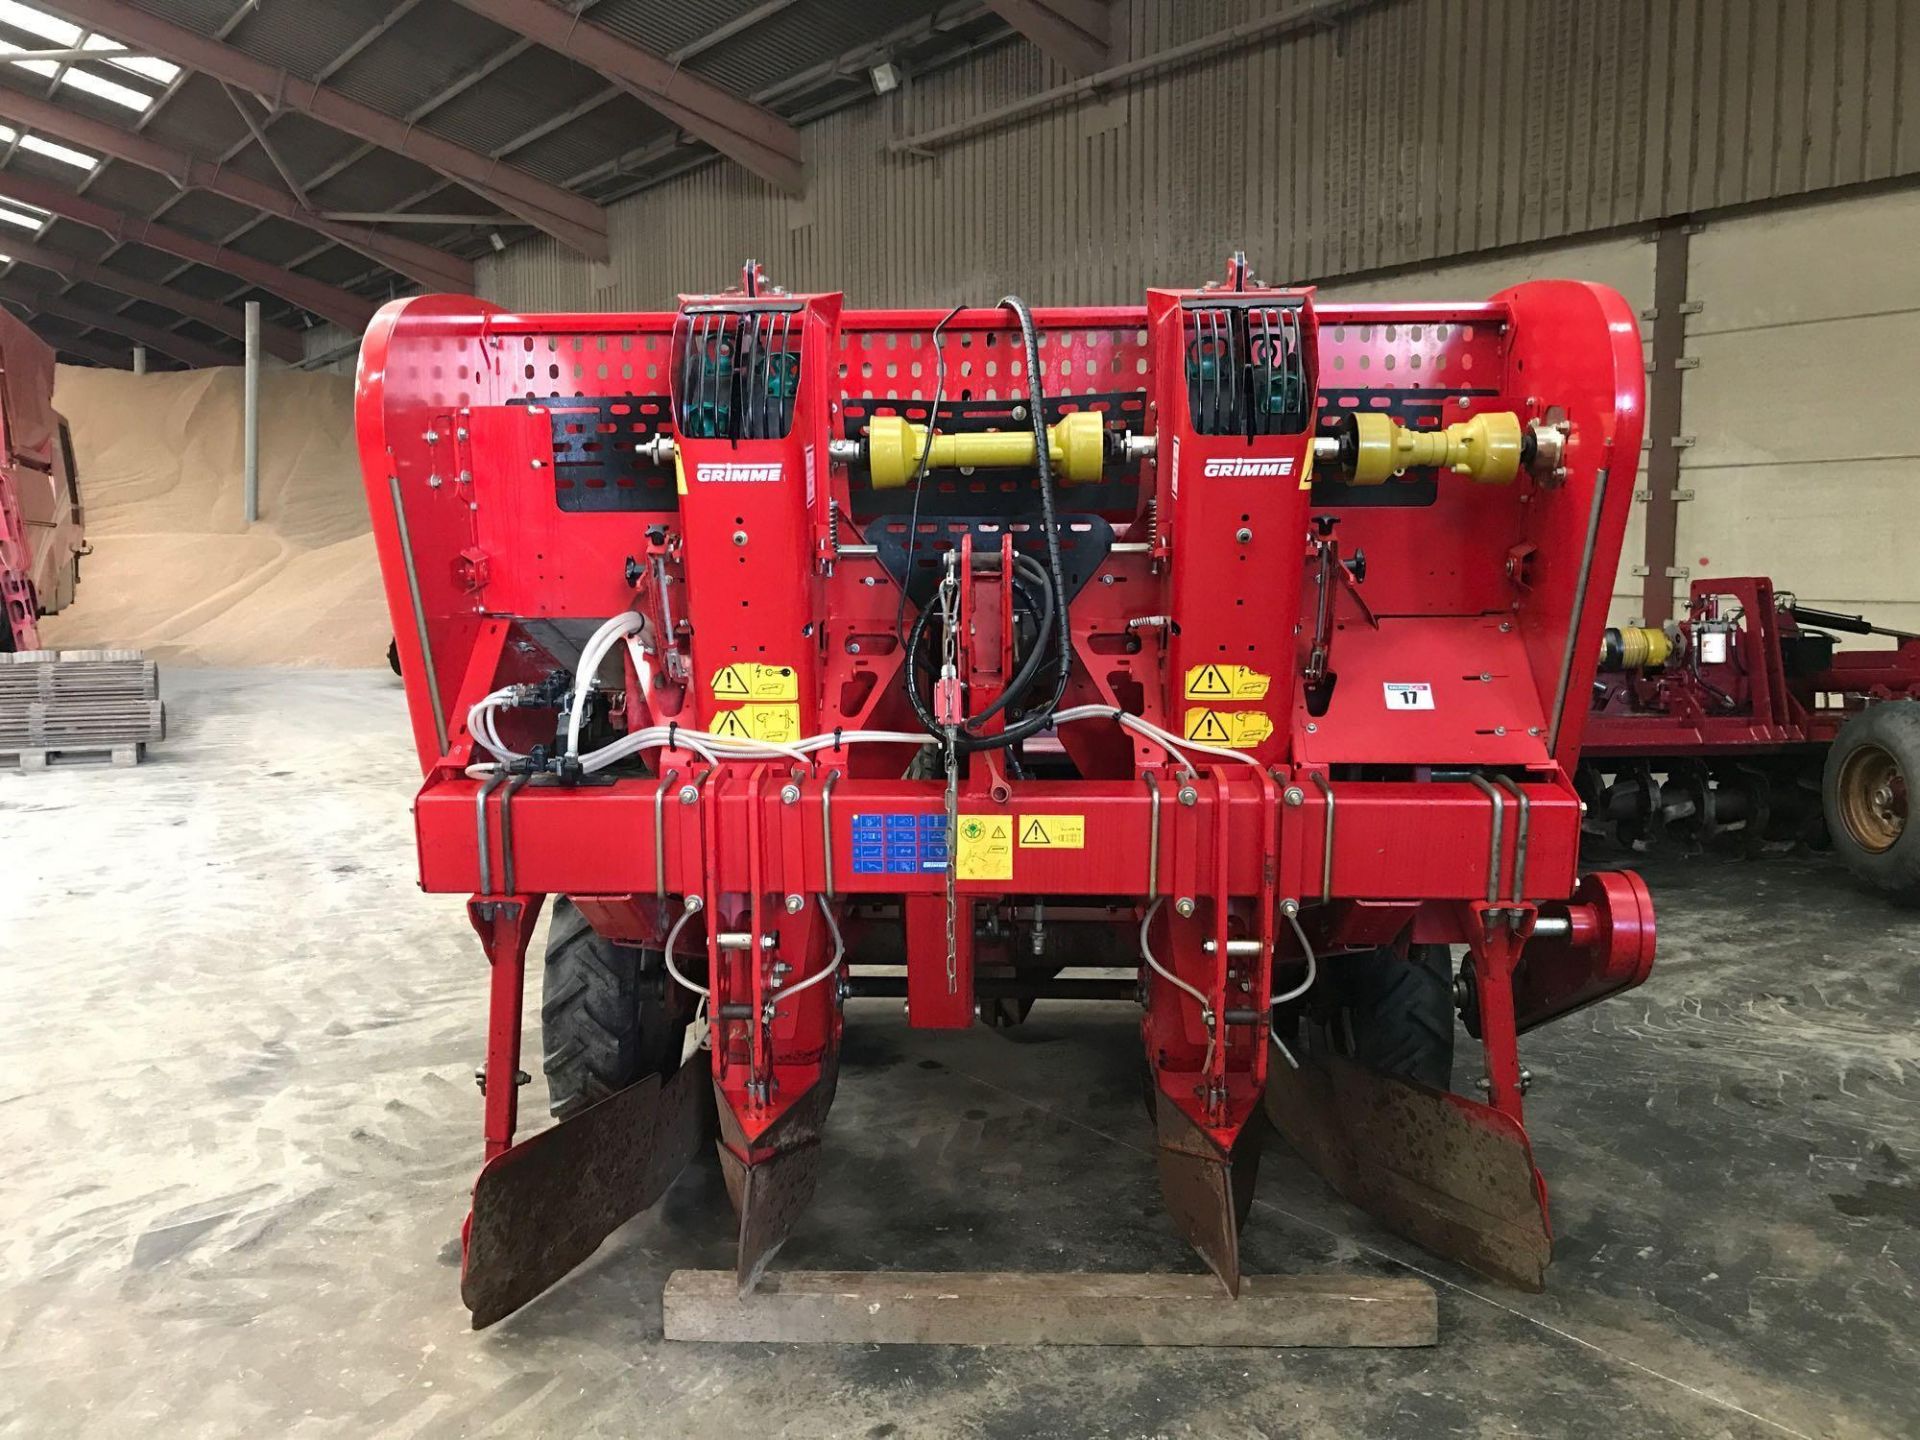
<point>885,77</point>
<point>24,221</point>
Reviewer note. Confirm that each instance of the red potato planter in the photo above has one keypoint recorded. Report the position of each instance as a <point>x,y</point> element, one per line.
<point>1236,640</point>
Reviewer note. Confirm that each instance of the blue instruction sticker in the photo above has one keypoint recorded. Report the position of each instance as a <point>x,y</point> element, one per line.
<point>903,842</point>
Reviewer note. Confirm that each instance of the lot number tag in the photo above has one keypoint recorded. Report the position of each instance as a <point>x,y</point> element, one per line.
<point>1409,695</point>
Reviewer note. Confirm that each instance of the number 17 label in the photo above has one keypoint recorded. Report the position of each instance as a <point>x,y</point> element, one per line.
<point>1409,695</point>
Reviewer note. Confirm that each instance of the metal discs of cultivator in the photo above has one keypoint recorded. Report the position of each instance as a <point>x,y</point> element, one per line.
<point>1742,720</point>
<point>1235,640</point>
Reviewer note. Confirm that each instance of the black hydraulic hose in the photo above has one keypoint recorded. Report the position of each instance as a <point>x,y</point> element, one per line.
<point>1037,412</point>
<point>920,470</point>
<point>1038,719</point>
<point>1042,638</point>
<point>916,637</point>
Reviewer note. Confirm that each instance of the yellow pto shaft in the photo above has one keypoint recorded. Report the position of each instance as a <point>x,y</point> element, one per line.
<point>1487,447</point>
<point>1076,446</point>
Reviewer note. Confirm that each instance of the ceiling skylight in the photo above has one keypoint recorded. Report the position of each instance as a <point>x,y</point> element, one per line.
<point>65,34</point>
<point>53,150</point>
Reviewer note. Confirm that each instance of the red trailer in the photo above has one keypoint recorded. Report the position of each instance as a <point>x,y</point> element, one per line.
<point>1237,640</point>
<point>1744,718</point>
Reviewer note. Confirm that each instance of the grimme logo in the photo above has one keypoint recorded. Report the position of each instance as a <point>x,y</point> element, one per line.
<point>737,474</point>
<point>1248,469</point>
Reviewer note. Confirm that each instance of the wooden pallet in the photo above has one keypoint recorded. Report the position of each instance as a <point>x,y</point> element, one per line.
<point>118,756</point>
<point>76,705</point>
<point>1023,1308</point>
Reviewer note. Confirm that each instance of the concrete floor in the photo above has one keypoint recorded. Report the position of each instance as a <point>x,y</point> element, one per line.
<point>239,1124</point>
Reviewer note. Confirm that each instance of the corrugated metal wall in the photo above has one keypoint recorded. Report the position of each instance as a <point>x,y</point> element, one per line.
<point>1418,130</point>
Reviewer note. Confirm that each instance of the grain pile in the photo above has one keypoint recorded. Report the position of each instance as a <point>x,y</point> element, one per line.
<point>175,571</point>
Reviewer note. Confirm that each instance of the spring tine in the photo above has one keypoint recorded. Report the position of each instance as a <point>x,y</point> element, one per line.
<point>697,358</point>
<point>1233,320</point>
<point>1208,353</point>
<point>752,410</point>
<point>1297,367</point>
<point>789,374</point>
<point>763,357</point>
<point>1193,367</point>
<point>684,340</point>
<point>1220,381</point>
<point>709,415</point>
<point>769,399</point>
<point>1223,371</point>
<point>1266,371</point>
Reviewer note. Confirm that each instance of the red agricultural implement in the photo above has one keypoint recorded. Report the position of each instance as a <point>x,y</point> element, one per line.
<point>40,521</point>
<point>1237,641</point>
<point>1742,720</point>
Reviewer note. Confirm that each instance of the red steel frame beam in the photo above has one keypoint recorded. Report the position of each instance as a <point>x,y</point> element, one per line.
<point>168,342</point>
<point>433,268</point>
<point>1076,33</point>
<point>737,128</point>
<point>570,218</point>
<point>281,343</point>
<point>342,307</point>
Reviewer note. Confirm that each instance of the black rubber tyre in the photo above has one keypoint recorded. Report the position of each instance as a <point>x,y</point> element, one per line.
<point>1866,795</point>
<point>1395,1015</point>
<point>607,1014</point>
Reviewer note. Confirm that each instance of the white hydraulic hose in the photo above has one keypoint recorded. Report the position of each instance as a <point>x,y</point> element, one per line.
<point>673,934</point>
<point>628,622</point>
<point>1146,953</point>
<point>832,967</point>
<point>1294,994</point>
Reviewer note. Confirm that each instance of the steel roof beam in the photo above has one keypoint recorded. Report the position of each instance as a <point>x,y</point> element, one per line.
<point>93,350</point>
<point>433,268</point>
<point>577,222</point>
<point>280,341</point>
<point>342,307</point>
<point>737,128</point>
<point>1076,33</point>
<point>167,342</point>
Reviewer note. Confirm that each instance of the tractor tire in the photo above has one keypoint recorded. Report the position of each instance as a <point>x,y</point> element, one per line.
<point>1866,794</point>
<point>607,1014</point>
<point>1396,1016</point>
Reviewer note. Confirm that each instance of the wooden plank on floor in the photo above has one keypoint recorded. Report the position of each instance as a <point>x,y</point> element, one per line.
<point>1024,1308</point>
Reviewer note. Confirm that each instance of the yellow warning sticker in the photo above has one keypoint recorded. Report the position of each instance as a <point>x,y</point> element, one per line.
<point>756,682</point>
<point>1227,727</point>
<point>769,724</point>
<point>1226,682</point>
<point>1053,832</point>
<point>984,848</point>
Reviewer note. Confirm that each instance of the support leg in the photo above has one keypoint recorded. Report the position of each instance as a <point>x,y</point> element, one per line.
<point>1494,957</point>
<point>504,926</point>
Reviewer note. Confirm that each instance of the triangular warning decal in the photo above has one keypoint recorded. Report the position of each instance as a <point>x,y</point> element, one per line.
<point>1209,728</point>
<point>1209,682</point>
<point>728,685</point>
<point>729,723</point>
<point>1034,834</point>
